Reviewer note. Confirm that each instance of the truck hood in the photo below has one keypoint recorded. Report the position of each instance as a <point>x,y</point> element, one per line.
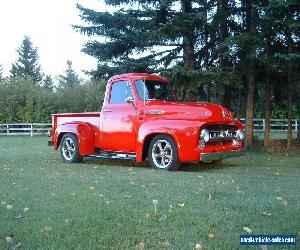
<point>187,111</point>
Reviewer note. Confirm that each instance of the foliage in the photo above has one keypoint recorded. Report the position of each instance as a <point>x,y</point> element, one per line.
<point>151,36</point>
<point>27,62</point>
<point>70,79</point>
<point>209,49</point>
<point>23,101</point>
<point>48,83</point>
<point>145,36</point>
<point>1,73</point>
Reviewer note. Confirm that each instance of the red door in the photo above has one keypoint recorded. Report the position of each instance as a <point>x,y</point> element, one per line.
<point>118,132</point>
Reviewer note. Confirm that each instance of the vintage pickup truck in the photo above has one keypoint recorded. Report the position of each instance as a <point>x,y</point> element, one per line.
<point>140,118</point>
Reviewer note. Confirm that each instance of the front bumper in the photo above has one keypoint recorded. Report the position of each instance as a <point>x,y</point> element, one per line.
<point>221,155</point>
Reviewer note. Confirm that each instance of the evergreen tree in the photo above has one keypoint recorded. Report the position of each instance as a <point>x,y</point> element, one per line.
<point>182,39</point>
<point>48,83</point>
<point>149,36</point>
<point>1,72</point>
<point>27,63</point>
<point>251,25</point>
<point>70,79</point>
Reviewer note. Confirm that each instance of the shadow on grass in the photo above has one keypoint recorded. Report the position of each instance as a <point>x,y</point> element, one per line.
<point>185,167</point>
<point>114,162</point>
<point>204,167</point>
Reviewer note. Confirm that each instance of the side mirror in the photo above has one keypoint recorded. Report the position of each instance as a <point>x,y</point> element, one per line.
<point>129,100</point>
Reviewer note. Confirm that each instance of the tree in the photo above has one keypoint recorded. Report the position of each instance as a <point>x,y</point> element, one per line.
<point>22,101</point>
<point>222,11</point>
<point>267,24</point>
<point>70,79</point>
<point>251,14</point>
<point>1,72</point>
<point>27,62</point>
<point>285,17</point>
<point>147,36</point>
<point>180,39</point>
<point>267,103</point>
<point>48,83</point>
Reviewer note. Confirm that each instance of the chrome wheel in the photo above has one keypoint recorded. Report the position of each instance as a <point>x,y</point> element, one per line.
<point>162,154</point>
<point>68,149</point>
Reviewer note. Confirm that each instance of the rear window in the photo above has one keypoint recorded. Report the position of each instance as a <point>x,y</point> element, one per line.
<point>153,90</point>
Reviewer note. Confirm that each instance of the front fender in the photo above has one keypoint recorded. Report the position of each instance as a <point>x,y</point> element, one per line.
<point>184,133</point>
<point>84,131</point>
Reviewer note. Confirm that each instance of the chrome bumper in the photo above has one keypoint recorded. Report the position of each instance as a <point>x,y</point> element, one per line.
<point>221,155</point>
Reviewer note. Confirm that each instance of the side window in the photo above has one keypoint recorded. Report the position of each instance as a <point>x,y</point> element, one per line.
<point>119,92</point>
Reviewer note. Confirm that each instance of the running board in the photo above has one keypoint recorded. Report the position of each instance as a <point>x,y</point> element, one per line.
<point>111,155</point>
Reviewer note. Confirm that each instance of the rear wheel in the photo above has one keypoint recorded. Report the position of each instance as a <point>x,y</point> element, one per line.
<point>163,154</point>
<point>69,149</point>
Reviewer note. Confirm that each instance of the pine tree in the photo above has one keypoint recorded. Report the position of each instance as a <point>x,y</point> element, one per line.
<point>182,39</point>
<point>27,63</point>
<point>70,79</point>
<point>1,72</point>
<point>251,16</point>
<point>147,36</point>
<point>48,83</point>
<point>282,47</point>
<point>266,22</point>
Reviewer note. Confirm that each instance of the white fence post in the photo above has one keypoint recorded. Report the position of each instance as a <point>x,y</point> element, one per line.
<point>264,124</point>
<point>296,125</point>
<point>31,130</point>
<point>7,129</point>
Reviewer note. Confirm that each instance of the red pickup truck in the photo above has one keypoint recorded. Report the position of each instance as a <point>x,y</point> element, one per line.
<point>140,118</point>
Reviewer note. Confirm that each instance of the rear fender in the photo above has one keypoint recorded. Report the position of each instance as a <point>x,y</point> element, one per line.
<point>84,131</point>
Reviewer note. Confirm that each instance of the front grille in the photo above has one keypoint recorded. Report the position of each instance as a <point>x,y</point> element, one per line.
<point>222,135</point>
<point>221,132</point>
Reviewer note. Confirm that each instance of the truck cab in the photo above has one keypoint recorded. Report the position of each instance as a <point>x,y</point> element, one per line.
<point>141,118</point>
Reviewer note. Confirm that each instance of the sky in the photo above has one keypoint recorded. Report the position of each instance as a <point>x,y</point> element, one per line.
<point>48,24</point>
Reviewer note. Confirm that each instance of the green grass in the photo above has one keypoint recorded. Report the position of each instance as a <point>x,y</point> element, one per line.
<point>275,135</point>
<point>108,204</point>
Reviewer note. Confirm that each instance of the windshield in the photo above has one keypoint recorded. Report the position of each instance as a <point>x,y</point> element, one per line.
<point>154,90</point>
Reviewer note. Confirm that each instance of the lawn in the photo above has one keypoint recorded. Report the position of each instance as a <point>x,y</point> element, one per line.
<point>275,135</point>
<point>109,204</point>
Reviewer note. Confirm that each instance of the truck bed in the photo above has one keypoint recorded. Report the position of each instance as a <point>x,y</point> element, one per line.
<point>90,117</point>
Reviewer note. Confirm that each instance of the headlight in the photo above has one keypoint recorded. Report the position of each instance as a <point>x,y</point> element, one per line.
<point>204,135</point>
<point>240,135</point>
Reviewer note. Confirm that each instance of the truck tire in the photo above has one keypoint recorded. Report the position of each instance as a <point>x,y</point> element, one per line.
<point>162,153</point>
<point>69,149</point>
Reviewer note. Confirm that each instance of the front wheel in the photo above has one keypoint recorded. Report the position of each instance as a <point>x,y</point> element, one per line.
<point>69,149</point>
<point>162,153</point>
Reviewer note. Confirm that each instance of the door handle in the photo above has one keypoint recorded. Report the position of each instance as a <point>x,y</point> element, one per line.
<point>106,110</point>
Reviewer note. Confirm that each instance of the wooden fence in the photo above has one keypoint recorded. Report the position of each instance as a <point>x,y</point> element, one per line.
<point>31,129</point>
<point>34,129</point>
<point>276,124</point>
